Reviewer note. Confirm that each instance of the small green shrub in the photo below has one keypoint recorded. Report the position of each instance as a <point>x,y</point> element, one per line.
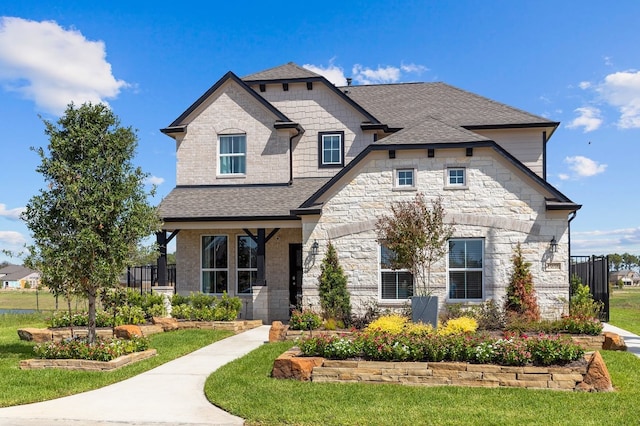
<point>130,315</point>
<point>582,303</point>
<point>227,308</point>
<point>370,313</point>
<point>179,299</point>
<point>451,311</point>
<point>489,315</point>
<point>182,311</point>
<point>158,310</point>
<point>304,320</point>
<point>201,300</point>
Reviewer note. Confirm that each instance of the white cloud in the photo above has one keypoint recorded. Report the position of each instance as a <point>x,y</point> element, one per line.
<point>563,176</point>
<point>584,85</point>
<point>584,167</point>
<point>154,180</point>
<point>382,75</point>
<point>605,242</point>
<point>413,68</point>
<point>622,91</point>
<point>12,238</point>
<point>13,214</point>
<point>54,66</point>
<point>332,73</point>
<point>588,118</point>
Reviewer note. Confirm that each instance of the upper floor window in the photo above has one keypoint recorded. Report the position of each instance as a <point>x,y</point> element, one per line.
<point>331,147</point>
<point>466,259</point>
<point>247,263</point>
<point>214,266</point>
<point>456,177</point>
<point>394,284</point>
<point>405,179</point>
<point>232,154</point>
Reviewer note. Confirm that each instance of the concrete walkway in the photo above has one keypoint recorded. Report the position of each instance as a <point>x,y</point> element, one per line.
<point>171,394</point>
<point>631,340</point>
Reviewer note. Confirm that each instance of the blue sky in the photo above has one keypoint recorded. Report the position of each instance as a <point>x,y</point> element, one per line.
<point>576,62</point>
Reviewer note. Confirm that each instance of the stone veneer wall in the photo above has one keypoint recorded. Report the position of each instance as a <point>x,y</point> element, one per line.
<point>499,205</point>
<point>449,373</point>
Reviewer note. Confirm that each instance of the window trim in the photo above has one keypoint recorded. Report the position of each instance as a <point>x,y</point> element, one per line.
<point>321,162</point>
<point>381,271</point>
<point>239,269</point>
<point>220,155</point>
<point>396,179</point>
<point>202,269</point>
<point>447,178</point>
<point>481,270</point>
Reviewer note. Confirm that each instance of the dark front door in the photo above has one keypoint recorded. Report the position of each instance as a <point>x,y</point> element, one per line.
<point>295,274</point>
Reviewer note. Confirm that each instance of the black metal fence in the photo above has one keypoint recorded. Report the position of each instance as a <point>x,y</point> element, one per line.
<point>594,272</point>
<point>146,277</point>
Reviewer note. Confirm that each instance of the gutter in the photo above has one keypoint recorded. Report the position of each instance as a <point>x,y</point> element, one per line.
<point>300,132</point>
<point>572,216</point>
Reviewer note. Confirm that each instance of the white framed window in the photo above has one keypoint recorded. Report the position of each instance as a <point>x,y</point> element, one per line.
<point>232,154</point>
<point>214,264</point>
<point>247,265</point>
<point>331,149</point>
<point>466,269</point>
<point>456,177</point>
<point>405,179</point>
<point>394,284</point>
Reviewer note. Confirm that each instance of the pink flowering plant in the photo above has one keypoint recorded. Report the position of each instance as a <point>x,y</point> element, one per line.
<point>513,349</point>
<point>100,350</point>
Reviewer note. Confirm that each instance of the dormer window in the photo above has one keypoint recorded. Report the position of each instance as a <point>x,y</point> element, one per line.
<point>331,147</point>
<point>232,154</point>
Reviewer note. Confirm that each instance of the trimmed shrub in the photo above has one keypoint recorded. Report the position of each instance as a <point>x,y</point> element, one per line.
<point>304,320</point>
<point>460,325</point>
<point>393,324</point>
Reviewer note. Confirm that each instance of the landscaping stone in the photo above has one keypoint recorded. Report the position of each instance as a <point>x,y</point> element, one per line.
<point>597,376</point>
<point>278,332</point>
<point>127,331</point>
<point>289,366</point>
<point>571,377</point>
<point>167,324</point>
<point>613,342</point>
<point>37,335</point>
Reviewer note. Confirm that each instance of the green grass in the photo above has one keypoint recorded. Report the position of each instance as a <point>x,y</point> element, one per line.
<point>25,386</point>
<point>244,388</point>
<point>624,305</point>
<point>41,300</point>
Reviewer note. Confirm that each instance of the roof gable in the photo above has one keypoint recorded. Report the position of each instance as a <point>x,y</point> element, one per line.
<point>179,123</point>
<point>288,71</point>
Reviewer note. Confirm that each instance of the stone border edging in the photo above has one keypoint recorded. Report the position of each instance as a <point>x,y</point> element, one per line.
<point>593,377</point>
<point>86,365</point>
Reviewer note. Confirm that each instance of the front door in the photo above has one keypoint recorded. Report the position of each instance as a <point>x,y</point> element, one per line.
<point>295,275</point>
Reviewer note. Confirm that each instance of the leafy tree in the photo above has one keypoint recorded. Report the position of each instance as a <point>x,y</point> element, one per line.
<point>629,260</point>
<point>615,261</point>
<point>334,297</point>
<point>521,297</point>
<point>417,235</point>
<point>93,212</point>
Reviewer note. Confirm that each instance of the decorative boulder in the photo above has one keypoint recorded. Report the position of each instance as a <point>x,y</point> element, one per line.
<point>127,331</point>
<point>613,342</point>
<point>37,335</point>
<point>289,366</point>
<point>597,378</point>
<point>278,332</point>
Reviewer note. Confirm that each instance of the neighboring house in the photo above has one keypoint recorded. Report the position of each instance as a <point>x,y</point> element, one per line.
<point>626,276</point>
<point>273,166</point>
<point>16,276</point>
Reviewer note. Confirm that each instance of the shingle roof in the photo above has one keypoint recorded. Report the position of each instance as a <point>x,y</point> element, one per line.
<point>283,72</point>
<point>401,105</point>
<point>235,202</point>
<point>14,272</point>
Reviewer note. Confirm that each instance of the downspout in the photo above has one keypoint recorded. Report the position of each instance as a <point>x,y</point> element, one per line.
<point>300,132</point>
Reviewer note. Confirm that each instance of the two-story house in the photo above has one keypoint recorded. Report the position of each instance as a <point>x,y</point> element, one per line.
<point>273,166</point>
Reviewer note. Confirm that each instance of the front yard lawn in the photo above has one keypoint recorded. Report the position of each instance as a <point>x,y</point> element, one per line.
<point>25,386</point>
<point>244,388</point>
<point>624,305</point>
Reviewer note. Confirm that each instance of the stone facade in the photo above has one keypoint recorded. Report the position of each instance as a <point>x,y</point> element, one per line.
<point>498,205</point>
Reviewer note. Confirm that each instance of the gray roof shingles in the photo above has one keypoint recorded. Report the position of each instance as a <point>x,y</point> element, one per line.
<point>231,202</point>
<point>287,71</point>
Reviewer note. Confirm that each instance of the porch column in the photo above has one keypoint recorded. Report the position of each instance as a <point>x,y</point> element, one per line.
<point>261,279</point>
<point>161,239</point>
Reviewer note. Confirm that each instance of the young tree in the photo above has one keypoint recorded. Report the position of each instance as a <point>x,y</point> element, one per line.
<point>334,297</point>
<point>416,233</point>
<point>89,219</point>
<point>521,296</point>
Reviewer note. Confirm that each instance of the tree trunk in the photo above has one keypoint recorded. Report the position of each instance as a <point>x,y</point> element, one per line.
<point>91,326</point>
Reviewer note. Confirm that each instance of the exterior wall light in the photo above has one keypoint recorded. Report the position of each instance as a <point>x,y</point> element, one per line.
<point>553,245</point>
<point>314,248</point>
